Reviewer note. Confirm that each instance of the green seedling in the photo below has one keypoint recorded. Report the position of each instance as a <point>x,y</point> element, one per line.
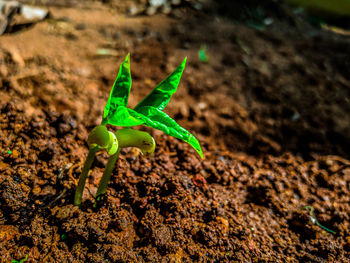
<point>313,219</point>
<point>148,112</point>
<point>21,260</point>
<point>202,54</point>
<point>63,237</point>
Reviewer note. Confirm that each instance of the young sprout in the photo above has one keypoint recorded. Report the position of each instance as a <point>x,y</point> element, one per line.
<point>21,260</point>
<point>202,54</point>
<point>148,112</point>
<point>315,221</point>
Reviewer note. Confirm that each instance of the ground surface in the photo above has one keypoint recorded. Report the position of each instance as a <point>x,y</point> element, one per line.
<point>271,110</point>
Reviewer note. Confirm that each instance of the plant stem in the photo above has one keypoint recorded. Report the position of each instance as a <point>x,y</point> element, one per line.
<point>126,138</point>
<point>134,138</point>
<point>84,174</point>
<point>102,187</point>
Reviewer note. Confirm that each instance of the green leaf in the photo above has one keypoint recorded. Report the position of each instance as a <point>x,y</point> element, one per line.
<point>159,97</point>
<point>125,117</point>
<point>158,119</point>
<point>154,118</point>
<point>21,261</point>
<point>119,95</point>
<point>149,111</point>
<point>202,54</point>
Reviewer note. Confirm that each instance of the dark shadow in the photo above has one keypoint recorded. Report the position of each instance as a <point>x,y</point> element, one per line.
<point>20,27</point>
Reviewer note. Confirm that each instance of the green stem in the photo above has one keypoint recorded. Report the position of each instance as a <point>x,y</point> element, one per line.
<point>126,138</point>
<point>134,138</point>
<point>102,187</point>
<point>315,221</point>
<point>84,174</point>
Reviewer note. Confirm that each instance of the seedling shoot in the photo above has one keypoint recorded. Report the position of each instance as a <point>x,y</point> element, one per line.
<point>148,112</point>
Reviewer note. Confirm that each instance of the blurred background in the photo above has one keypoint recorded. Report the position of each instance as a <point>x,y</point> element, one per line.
<point>262,76</point>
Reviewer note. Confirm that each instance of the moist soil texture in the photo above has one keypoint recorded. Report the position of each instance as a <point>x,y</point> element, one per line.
<point>270,108</point>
